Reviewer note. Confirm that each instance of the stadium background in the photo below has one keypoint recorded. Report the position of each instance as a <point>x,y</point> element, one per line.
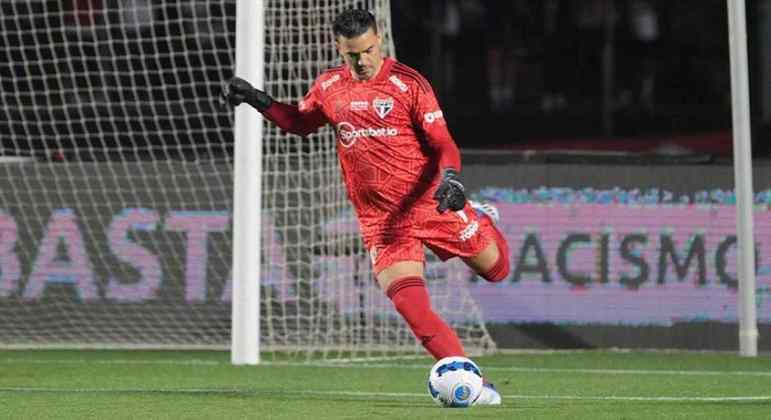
<point>558,74</point>
<point>561,100</point>
<point>570,74</point>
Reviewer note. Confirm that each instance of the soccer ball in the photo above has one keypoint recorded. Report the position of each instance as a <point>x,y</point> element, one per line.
<point>455,382</point>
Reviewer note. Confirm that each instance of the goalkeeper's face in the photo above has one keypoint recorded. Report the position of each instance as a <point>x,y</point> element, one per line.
<point>362,54</point>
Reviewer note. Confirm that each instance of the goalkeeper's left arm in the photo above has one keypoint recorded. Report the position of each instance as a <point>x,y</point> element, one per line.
<point>428,115</point>
<point>450,195</point>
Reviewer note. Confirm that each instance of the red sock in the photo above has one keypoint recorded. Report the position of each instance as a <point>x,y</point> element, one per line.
<point>410,297</point>
<point>501,269</point>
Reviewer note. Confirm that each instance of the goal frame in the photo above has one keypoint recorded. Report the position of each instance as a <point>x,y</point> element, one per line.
<point>740,110</point>
<point>247,190</point>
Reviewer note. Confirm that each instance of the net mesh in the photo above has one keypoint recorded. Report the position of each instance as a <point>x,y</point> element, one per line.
<point>116,180</point>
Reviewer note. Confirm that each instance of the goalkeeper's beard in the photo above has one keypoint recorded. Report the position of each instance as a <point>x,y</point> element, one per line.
<point>364,72</point>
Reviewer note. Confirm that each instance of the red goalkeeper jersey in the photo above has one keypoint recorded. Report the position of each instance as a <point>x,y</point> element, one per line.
<point>391,140</point>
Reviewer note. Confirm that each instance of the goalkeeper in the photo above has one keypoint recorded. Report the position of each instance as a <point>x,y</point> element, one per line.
<point>402,172</point>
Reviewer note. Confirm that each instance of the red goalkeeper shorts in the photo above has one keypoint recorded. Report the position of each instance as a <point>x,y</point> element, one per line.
<point>451,234</point>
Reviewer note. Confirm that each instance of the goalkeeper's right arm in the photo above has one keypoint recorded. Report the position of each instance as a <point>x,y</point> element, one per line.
<point>286,116</point>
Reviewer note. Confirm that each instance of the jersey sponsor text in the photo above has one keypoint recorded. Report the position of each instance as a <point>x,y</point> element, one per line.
<point>349,134</point>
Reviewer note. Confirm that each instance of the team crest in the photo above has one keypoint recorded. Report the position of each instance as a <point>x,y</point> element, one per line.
<point>383,106</point>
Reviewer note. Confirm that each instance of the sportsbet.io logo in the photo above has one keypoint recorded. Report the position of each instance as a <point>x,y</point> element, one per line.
<point>348,134</point>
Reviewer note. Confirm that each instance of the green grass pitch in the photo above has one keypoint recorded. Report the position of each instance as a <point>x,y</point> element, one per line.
<point>554,385</point>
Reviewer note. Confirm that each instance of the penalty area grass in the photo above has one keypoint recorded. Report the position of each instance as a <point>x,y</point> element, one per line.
<point>552,385</point>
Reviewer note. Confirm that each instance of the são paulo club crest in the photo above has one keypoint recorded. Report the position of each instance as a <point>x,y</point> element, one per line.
<point>383,106</point>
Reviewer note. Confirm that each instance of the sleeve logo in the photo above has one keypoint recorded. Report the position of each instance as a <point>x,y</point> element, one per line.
<point>430,117</point>
<point>398,82</point>
<point>327,83</point>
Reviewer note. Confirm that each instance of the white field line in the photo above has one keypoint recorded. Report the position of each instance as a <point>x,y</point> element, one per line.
<point>177,362</point>
<point>368,395</point>
<point>513,369</point>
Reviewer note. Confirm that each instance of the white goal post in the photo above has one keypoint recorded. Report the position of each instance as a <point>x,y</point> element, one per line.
<point>740,101</point>
<point>247,190</point>
<point>748,333</point>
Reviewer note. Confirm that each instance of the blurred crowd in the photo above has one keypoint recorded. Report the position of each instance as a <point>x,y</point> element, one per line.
<point>527,69</point>
<point>506,72</point>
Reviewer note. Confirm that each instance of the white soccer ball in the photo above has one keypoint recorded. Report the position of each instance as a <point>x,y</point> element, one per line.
<point>455,382</point>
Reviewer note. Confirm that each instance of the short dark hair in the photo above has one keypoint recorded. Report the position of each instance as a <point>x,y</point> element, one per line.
<point>353,22</point>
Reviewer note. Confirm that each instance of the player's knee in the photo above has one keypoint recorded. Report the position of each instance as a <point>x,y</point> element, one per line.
<point>500,270</point>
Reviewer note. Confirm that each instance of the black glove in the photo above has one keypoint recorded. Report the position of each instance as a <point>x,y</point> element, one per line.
<point>450,193</point>
<point>238,90</point>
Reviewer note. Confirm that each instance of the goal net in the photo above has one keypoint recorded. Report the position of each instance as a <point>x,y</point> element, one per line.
<point>116,187</point>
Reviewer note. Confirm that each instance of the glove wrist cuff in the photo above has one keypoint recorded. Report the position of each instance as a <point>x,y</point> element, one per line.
<point>260,100</point>
<point>449,172</point>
